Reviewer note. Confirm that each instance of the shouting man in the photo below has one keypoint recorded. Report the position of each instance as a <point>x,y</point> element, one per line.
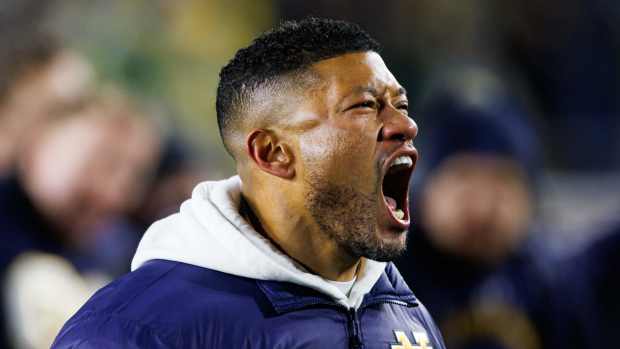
<point>294,251</point>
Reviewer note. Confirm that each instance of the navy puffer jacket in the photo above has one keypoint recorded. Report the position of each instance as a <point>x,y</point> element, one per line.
<point>166,304</point>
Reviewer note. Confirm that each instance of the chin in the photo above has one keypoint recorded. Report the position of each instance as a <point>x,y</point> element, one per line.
<point>392,234</point>
<point>389,246</point>
<point>386,255</point>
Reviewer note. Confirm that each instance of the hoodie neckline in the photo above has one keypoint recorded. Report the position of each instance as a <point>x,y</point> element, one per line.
<point>209,232</point>
<point>389,288</point>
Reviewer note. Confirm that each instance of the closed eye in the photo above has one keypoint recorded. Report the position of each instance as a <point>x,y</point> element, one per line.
<point>365,104</point>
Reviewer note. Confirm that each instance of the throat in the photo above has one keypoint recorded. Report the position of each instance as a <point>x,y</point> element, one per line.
<point>312,252</point>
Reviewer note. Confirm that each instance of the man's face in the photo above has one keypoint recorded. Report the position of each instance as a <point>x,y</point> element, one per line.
<point>58,84</point>
<point>358,156</point>
<point>477,206</point>
<point>92,169</point>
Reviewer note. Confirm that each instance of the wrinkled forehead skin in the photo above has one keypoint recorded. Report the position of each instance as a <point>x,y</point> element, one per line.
<point>353,72</point>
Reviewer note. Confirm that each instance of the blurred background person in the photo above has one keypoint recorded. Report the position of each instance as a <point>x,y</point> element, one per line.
<point>76,173</point>
<point>37,75</point>
<point>473,256</point>
<point>180,167</point>
<point>52,81</point>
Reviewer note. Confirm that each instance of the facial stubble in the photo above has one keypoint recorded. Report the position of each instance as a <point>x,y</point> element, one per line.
<point>349,217</point>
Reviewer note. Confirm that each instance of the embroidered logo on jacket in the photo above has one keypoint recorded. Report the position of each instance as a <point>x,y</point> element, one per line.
<point>420,338</point>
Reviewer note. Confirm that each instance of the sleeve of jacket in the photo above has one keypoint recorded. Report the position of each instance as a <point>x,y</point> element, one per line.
<point>93,330</point>
<point>433,329</point>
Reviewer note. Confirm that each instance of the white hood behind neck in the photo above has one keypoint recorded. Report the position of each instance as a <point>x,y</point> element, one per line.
<point>209,232</point>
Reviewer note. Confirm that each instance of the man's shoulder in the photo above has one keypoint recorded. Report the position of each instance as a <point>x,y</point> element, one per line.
<point>170,287</point>
<point>161,300</point>
<point>392,277</point>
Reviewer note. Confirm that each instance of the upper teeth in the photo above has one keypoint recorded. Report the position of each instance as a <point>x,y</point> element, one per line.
<point>402,160</point>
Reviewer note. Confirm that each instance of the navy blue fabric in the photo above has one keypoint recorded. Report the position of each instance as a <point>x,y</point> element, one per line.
<point>21,225</point>
<point>166,304</point>
<point>588,290</point>
<point>505,306</point>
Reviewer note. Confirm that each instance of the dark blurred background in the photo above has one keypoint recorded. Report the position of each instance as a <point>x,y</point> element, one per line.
<point>536,83</point>
<point>560,57</point>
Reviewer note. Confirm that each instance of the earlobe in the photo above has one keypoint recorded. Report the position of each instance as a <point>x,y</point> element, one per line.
<point>269,154</point>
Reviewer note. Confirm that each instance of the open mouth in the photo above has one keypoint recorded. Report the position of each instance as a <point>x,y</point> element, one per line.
<point>396,187</point>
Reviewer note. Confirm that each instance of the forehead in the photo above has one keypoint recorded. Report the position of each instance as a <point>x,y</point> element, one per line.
<point>354,71</point>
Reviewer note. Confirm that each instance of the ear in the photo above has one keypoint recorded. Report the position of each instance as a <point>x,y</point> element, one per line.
<point>269,154</point>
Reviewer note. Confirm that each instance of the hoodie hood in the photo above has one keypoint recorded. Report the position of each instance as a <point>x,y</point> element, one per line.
<point>209,232</point>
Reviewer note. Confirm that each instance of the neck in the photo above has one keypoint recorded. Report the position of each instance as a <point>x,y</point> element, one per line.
<point>300,240</point>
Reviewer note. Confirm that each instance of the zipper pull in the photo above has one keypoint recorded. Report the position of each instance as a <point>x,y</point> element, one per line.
<point>355,340</point>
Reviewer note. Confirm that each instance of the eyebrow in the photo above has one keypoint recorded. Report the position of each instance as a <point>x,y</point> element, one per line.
<point>374,92</point>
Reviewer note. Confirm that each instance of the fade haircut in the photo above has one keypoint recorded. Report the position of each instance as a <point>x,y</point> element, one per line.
<point>286,51</point>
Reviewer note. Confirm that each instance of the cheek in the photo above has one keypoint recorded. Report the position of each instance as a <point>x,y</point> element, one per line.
<point>61,171</point>
<point>346,156</point>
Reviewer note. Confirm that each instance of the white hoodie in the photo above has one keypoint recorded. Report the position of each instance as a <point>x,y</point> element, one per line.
<point>209,232</point>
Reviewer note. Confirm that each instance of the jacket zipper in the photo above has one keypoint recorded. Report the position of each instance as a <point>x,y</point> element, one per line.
<point>355,333</point>
<point>353,322</point>
<point>355,340</point>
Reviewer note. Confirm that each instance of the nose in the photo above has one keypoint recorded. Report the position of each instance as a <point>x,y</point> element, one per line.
<point>397,127</point>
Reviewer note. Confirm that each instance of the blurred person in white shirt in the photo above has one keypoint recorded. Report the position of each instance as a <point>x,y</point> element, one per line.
<point>75,174</point>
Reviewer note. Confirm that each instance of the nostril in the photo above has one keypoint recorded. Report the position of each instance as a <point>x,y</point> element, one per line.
<point>390,135</point>
<point>399,137</point>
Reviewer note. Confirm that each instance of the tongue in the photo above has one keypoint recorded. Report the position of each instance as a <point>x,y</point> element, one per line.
<point>391,203</point>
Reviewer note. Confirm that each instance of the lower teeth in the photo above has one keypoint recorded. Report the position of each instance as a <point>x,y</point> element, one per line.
<point>399,214</point>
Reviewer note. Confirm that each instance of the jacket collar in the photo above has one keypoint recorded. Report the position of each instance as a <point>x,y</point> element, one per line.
<point>287,297</point>
<point>209,232</point>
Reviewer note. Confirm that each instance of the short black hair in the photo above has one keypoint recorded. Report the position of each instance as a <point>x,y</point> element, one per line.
<point>289,48</point>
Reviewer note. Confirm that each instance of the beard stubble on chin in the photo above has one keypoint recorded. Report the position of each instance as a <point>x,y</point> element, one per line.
<point>349,217</point>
